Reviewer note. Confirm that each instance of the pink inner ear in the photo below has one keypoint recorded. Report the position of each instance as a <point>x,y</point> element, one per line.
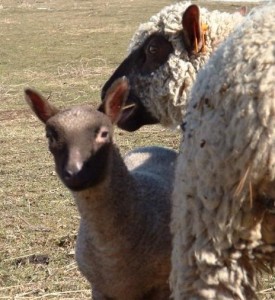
<point>243,10</point>
<point>115,99</point>
<point>40,106</point>
<point>191,25</point>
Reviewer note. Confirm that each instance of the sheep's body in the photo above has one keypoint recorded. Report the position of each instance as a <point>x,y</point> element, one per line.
<point>165,90</point>
<point>124,241</point>
<point>153,155</point>
<point>223,218</point>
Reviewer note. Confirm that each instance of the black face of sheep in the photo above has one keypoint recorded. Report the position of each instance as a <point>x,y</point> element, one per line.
<point>145,60</point>
<point>134,114</point>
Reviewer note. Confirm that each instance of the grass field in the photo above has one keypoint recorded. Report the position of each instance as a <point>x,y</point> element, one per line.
<point>65,49</point>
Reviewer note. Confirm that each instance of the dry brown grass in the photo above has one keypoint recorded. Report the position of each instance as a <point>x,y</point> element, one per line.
<point>66,49</point>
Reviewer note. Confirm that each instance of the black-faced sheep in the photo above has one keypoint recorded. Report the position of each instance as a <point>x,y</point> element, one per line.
<point>165,55</point>
<point>223,218</point>
<point>124,240</point>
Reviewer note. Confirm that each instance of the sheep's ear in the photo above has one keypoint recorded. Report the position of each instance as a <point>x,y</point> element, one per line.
<point>193,31</point>
<point>40,106</point>
<point>243,11</point>
<point>115,99</point>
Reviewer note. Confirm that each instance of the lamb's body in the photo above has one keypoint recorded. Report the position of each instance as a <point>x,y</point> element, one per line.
<point>124,240</point>
<point>223,218</point>
<point>161,80</point>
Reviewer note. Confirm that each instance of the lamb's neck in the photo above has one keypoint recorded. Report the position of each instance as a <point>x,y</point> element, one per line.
<point>104,207</point>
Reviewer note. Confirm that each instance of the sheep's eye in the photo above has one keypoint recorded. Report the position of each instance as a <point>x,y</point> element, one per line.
<point>152,49</point>
<point>269,203</point>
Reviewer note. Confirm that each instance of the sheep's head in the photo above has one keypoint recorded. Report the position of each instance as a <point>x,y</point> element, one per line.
<point>80,137</point>
<point>165,55</point>
<point>154,56</point>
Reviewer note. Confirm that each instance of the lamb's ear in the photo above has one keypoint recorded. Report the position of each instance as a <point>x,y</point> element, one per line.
<point>115,99</point>
<point>193,31</point>
<point>40,106</point>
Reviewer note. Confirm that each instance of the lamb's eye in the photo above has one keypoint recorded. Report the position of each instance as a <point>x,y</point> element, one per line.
<point>51,136</point>
<point>104,134</point>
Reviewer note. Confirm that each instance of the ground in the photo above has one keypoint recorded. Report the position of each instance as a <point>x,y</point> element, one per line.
<point>66,50</point>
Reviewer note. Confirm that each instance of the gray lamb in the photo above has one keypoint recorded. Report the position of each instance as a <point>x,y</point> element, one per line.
<point>124,242</point>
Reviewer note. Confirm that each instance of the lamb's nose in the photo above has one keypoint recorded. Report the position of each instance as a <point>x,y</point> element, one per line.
<point>74,163</point>
<point>69,173</point>
<point>72,168</point>
<point>72,178</point>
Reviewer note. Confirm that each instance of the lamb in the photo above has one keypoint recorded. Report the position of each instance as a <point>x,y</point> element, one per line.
<point>165,55</point>
<point>124,241</point>
<point>223,216</point>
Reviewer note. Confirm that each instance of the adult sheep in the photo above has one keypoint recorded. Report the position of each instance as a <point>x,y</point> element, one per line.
<point>223,218</point>
<point>165,55</point>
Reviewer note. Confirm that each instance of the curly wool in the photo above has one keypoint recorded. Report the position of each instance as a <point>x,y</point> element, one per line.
<point>223,231</point>
<point>164,93</point>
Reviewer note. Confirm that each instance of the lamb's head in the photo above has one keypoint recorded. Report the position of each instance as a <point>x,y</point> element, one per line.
<point>164,57</point>
<point>80,138</point>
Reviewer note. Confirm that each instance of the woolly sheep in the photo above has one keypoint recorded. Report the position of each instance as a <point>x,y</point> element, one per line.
<point>124,240</point>
<point>223,216</point>
<point>165,55</point>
